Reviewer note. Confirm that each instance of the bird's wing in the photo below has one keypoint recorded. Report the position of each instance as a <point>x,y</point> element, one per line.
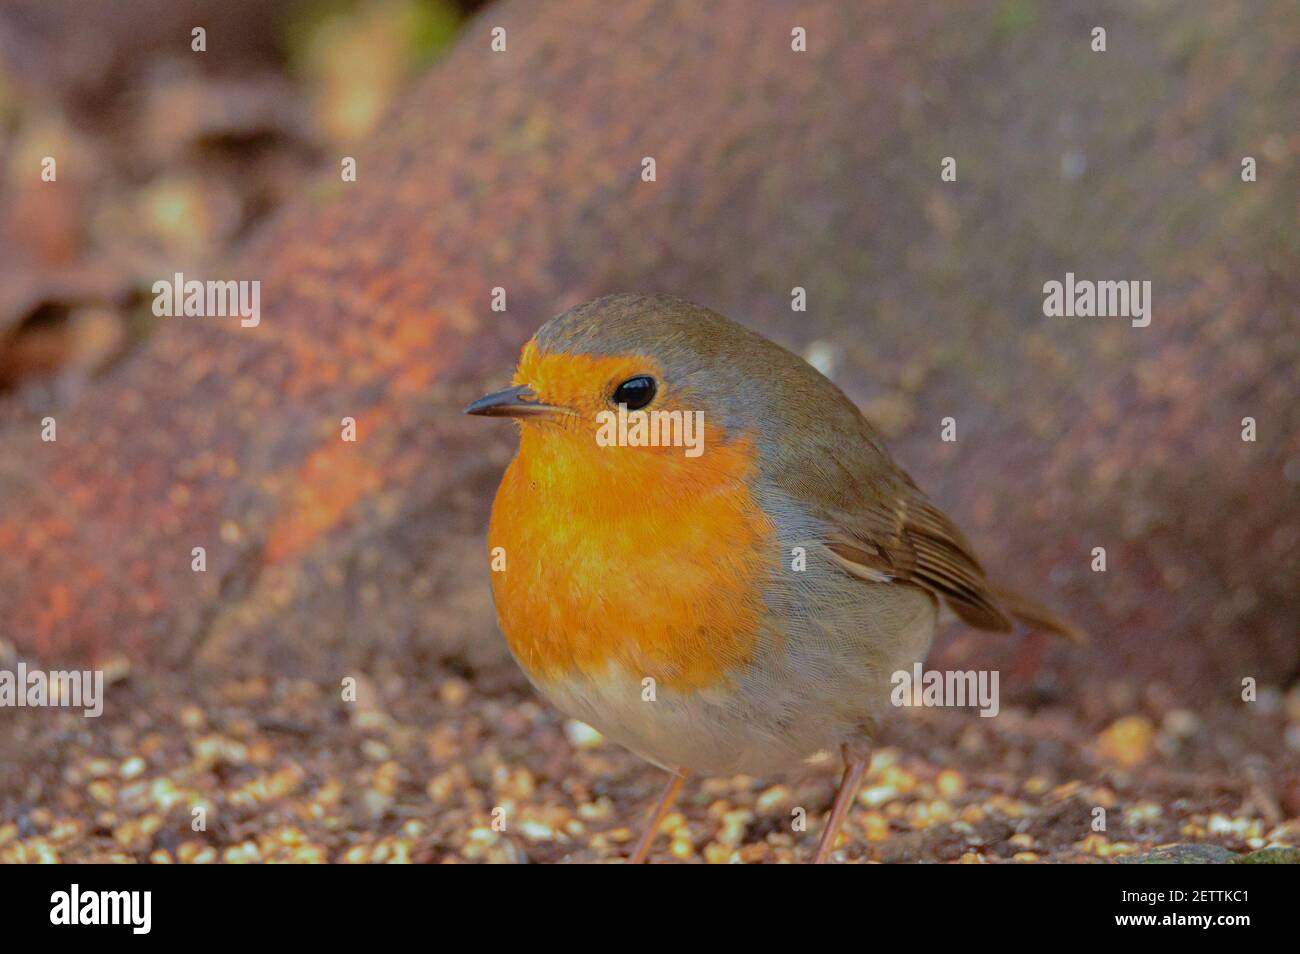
<point>880,527</point>
<point>906,539</point>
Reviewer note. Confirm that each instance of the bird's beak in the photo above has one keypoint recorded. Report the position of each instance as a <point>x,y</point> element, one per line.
<point>512,402</point>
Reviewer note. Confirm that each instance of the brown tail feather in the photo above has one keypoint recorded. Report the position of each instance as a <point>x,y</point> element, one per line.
<point>1035,614</point>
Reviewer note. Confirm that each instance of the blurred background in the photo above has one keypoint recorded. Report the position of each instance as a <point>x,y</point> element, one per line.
<point>522,169</point>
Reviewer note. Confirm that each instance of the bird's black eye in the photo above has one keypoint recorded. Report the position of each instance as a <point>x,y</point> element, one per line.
<point>636,392</point>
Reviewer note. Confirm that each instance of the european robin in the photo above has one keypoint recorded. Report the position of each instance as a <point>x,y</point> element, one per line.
<point>737,604</point>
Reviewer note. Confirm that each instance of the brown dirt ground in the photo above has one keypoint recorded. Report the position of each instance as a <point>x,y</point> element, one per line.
<point>416,768</point>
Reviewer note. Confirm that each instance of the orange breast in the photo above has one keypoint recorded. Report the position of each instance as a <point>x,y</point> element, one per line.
<point>639,559</point>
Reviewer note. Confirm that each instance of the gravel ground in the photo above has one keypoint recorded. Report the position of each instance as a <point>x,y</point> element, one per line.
<point>445,769</point>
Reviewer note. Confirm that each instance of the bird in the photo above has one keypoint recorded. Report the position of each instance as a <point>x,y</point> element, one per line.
<point>738,605</point>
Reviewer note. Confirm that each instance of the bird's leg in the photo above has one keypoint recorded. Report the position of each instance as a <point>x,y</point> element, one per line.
<point>670,793</point>
<point>855,766</point>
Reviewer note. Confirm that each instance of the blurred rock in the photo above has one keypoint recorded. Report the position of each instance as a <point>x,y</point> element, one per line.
<point>775,169</point>
<point>1127,742</point>
<point>1181,855</point>
<point>1276,855</point>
